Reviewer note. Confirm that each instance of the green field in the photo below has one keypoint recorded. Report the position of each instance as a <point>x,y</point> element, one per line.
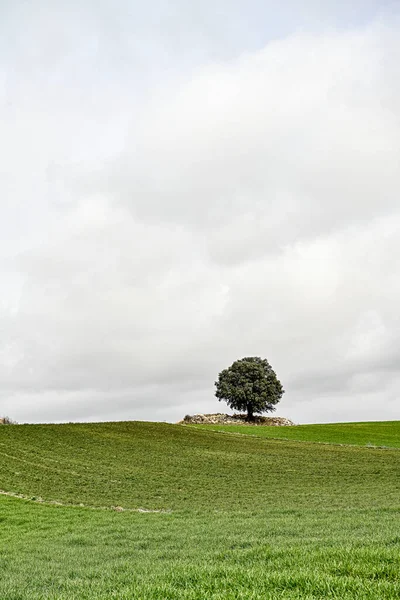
<point>240,517</point>
<point>383,434</point>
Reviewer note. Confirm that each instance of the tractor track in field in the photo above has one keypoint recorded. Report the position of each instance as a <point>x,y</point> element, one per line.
<point>119,509</point>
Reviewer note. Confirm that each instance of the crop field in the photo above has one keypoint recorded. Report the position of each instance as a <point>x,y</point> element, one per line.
<point>383,434</point>
<point>156,511</point>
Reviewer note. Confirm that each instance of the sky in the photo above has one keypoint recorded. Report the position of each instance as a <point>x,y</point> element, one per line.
<point>185,184</point>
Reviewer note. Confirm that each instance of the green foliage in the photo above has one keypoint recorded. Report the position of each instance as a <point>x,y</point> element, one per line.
<point>249,384</point>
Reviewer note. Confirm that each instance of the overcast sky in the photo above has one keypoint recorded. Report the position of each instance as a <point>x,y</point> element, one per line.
<point>183,184</point>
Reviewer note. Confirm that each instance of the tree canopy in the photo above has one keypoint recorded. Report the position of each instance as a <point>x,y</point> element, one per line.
<point>249,384</point>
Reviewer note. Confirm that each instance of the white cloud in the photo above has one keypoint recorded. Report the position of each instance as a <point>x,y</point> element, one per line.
<point>251,209</point>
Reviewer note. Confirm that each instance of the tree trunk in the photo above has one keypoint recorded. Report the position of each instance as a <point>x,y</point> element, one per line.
<point>250,416</point>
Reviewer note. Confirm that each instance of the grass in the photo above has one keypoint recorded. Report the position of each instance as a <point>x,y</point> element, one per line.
<point>247,517</point>
<point>160,466</point>
<point>384,434</point>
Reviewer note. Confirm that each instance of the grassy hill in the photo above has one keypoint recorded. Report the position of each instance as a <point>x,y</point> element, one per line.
<point>242,516</point>
<point>384,434</point>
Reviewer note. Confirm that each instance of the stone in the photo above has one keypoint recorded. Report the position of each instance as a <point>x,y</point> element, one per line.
<point>235,419</point>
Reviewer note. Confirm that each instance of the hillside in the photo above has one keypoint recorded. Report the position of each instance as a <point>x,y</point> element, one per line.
<point>161,466</point>
<point>384,434</point>
<point>241,517</point>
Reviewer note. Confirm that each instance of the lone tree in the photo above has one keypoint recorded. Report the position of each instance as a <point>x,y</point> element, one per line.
<point>249,384</point>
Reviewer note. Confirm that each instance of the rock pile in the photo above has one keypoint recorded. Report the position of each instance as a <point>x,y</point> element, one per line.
<point>236,419</point>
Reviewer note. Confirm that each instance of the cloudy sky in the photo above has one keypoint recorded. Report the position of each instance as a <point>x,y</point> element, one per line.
<point>186,183</point>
